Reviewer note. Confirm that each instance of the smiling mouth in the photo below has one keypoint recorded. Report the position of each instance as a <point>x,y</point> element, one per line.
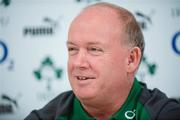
<point>84,77</point>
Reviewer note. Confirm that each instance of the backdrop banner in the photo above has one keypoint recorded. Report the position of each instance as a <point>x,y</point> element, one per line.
<point>33,53</point>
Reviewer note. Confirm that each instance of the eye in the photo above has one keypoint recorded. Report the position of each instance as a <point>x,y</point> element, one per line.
<point>72,50</point>
<point>95,50</point>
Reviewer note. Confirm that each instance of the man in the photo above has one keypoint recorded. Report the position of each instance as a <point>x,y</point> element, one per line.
<point>105,47</point>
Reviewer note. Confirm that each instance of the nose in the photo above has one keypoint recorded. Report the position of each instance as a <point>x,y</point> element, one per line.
<point>81,60</point>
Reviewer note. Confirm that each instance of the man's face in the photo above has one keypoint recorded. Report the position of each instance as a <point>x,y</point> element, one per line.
<point>97,60</point>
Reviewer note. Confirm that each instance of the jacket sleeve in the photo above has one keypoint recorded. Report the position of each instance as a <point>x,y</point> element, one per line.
<point>48,112</point>
<point>33,116</point>
<point>61,105</point>
<point>171,111</point>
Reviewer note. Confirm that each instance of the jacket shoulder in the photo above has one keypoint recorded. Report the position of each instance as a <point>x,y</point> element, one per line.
<point>60,105</point>
<point>158,105</point>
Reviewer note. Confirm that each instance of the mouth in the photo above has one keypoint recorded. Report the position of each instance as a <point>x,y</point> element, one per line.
<point>84,78</point>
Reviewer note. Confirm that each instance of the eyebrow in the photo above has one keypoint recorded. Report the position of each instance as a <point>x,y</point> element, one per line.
<point>89,43</point>
<point>69,42</point>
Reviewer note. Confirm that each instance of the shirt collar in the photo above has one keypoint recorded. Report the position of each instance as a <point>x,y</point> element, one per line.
<point>127,109</point>
<point>79,113</point>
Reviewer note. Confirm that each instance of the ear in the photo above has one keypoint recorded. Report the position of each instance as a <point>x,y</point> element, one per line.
<point>133,59</point>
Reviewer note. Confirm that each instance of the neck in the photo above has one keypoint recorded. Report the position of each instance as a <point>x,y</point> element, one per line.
<point>102,112</point>
<point>103,109</point>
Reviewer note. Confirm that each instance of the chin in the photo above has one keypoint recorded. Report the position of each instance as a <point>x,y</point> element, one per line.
<point>84,95</point>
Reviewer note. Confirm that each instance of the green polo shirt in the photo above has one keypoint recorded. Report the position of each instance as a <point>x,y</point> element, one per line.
<point>132,109</point>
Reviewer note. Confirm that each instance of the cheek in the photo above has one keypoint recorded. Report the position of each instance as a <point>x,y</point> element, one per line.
<point>120,59</point>
<point>69,63</point>
<point>69,68</point>
<point>102,67</point>
<point>114,67</point>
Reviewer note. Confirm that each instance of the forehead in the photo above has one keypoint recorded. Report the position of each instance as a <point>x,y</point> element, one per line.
<point>95,24</point>
<point>99,15</point>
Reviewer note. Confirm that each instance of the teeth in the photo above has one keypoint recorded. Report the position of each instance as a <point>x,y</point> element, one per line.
<point>82,78</point>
